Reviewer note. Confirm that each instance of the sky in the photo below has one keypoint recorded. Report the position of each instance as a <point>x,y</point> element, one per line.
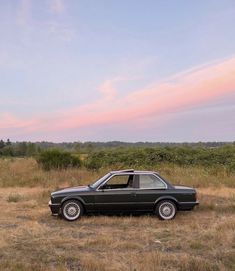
<point>103,70</point>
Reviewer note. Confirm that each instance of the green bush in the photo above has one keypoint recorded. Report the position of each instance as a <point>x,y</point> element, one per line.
<point>150,157</point>
<point>56,159</point>
<point>94,161</point>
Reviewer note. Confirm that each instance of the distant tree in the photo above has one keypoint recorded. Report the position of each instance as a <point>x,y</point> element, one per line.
<point>7,151</point>
<point>8,143</point>
<point>90,147</point>
<point>77,148</point>
<point>2,144</point>
<point>22,149</point>
<point>31,149</point>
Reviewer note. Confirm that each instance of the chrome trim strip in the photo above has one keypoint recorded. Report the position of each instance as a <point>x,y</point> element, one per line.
<point>188,202</point>
<point>126,203</point>
<point>120,189</point>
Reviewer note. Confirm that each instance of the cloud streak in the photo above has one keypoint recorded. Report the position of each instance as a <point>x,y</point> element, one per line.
<point>175,94</point>
<point>185,91</point>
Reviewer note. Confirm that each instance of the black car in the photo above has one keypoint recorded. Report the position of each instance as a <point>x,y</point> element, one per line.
<point>124,191</point>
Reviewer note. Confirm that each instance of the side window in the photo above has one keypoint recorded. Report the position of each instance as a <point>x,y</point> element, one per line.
<point>150,181</point>
<point>119,181</point>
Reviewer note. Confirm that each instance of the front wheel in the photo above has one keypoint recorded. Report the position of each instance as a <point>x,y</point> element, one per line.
<point>166,210</point>
<point>72,210</point>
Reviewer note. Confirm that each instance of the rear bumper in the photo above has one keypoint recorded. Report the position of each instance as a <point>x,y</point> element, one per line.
<point>55,208</point>
<point>184,206</point>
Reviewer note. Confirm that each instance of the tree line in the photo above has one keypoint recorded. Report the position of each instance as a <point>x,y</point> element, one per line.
<point>92,157</point>
<point>24,148</point>
<point>18,149</point>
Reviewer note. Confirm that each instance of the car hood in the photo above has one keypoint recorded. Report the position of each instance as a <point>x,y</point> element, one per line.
<point>71,189</point>
<point>183,187</point>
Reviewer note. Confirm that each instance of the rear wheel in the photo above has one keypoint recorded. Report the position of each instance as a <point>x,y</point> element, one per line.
<point>72,210</point>
<point>166,210</point>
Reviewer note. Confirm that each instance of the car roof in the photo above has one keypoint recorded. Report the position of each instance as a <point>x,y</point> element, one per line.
<point>132,171</point>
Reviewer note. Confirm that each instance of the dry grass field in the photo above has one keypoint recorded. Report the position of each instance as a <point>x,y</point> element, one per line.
<point>31,239</point>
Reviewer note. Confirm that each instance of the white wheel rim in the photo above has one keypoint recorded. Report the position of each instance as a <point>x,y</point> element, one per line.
<point>71,211</point>
<point>167,210</point>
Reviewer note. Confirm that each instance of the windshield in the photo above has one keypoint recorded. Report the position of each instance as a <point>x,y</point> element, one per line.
<point>99,181</point>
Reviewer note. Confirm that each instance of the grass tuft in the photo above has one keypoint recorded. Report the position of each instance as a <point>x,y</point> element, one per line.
<point>14,198</point>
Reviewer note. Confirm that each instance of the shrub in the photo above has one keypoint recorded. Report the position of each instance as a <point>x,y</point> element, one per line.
<point>94,161</point>
<point>56,159</point>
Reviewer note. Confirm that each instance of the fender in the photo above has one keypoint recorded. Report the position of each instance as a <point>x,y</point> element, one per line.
<point>166,198</point>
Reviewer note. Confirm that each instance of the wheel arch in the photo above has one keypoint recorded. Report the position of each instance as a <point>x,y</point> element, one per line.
<point>76,198</point>
<point>170,198</point>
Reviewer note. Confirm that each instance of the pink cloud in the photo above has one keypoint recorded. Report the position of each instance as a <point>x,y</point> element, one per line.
<point>9,121</point>
<point>177,93</point>
<point>187,90</point>
<point>57,6</point>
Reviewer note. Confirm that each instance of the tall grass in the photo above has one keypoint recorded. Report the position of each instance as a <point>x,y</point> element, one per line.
<point>25,172</point>
<point>201,240</point>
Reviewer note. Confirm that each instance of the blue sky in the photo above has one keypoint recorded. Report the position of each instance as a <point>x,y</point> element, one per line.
<point>71,70</point>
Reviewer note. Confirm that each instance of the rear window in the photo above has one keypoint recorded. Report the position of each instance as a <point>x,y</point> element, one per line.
<point>150,181</point>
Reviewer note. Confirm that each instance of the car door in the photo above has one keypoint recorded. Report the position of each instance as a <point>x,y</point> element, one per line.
<point>117,194</point>
<point>150,188</point>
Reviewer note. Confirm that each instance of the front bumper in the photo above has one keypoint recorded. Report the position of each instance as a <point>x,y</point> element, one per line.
<point>55,208</point>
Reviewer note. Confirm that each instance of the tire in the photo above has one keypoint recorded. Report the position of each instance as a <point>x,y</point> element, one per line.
<point>72,210</point>
<point>166,210</point>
